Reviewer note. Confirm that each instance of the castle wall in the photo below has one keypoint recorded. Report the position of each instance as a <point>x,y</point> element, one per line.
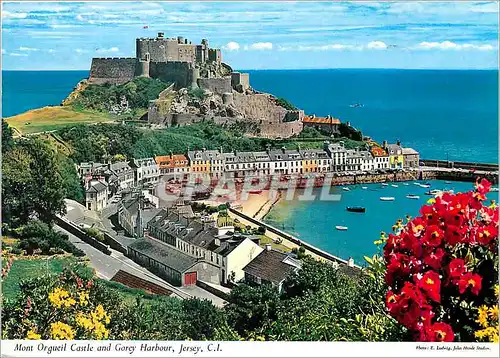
<point>240,81</point>
<point>260,107</point>
<point>179,72</point>
<point>280,130</point>
<point>165,49</point>
<point>294,116</point>
<point>216,85</point>
<point>112,70</point>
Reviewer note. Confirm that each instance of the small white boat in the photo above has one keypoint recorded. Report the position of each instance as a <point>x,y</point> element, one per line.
<point>494,190</point>
<point>435,191</point>
<point>447,182</point>
<point>364,187</point>
<point>394,185</point>
<point>406,184</point>
<point>341,228</point>
<point>346,189</point>
<point>387,198</point>
<point>411,196</point>
<point>425,185</point>
<point>385,184</point>
<point>417,183</point>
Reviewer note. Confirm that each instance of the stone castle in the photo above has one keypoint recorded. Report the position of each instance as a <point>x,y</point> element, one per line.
<point>227,94</point>
<point>174,60</point>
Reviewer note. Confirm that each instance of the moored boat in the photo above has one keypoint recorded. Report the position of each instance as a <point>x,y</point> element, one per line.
<point>385,184</point>
<point>387,198</point>
<point>346,189</point>
<point>425,185</point>
<point>394,185</point>
<point>364,187</point>
<point>411,196</point>
<point>406,184</point>
<point>356,209</point>
<point>341,228</point>
<point>494,190</point>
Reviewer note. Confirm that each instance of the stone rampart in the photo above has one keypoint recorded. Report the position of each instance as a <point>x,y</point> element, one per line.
<point>117,70</point>
<point>179,73</point>
<point>280,130</point>
<point>260,107</point>
<point>216,85</point>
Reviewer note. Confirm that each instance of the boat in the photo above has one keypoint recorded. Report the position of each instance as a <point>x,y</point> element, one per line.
<point>385,184</point>
<point>406,184</point>
<point>364,187</point>
<point>341,228</point>
<point>356,209</point>
<point>494,190</point>
<point>411,196</point>
<point>428,193</point>
<point>447,182</point>
<point>394,185</point>
<point>435,191</point>
<point>387,198</point>
<point>425,185</point>
<point>346,189</point>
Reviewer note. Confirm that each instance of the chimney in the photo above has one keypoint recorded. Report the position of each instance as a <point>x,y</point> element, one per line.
<point>217,242</point>
<point>313,116</point>
<point>171,155</point>
<point>160,35</point>
<point>203,149</point>
<point>268,247</point>
<point>384,144</point>
<point>398,142</point>
<point>350,262</point>
<point>283,149</point>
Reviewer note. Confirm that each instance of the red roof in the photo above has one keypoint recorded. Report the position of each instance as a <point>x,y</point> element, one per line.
<point>171,161</point>
<point>321,120</point>
<point>378,152</point>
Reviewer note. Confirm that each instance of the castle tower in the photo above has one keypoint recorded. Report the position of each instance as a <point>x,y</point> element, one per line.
<point>204,43</point>
<point>195,74</point>
<point>143,66</point>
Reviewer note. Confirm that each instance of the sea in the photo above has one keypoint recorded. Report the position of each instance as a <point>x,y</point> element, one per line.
<point>443,114</point>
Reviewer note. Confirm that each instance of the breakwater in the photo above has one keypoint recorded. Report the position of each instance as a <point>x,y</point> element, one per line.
<point>435,163</point>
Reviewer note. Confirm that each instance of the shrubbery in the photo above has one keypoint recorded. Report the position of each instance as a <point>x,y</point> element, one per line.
<point>442,269</point>
<point>285,104</point>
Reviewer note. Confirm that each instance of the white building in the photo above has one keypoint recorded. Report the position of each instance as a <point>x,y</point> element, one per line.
<point>337,154</point>
<point>367,161</point>
<point>145,171</point>
<point>96,195</point>
<point>353,160</point>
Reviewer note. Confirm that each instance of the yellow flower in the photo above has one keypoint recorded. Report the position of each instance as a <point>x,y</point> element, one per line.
<point>84,322</point>
<point>84,298</point>
<point>491,333</point>
<point>431,201</point>
<point>495,288</point>
<point>493,313</point>
<point>100,331</point>
<point>482,318</point>
<point>61,330</point>
<point>33,335</point>
<point>60,297</point>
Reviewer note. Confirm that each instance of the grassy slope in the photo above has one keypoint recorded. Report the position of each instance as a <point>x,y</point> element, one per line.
<point>24,268</point>
<point>52,118</point>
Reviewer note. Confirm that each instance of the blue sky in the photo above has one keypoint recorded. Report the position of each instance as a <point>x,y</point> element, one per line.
<point>258,35</point>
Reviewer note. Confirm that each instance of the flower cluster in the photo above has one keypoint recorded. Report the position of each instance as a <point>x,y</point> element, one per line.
<point>94,323</point>
<point>60,330</point>
<point>7,267</point>
<point>488,320</point>
<point>441,263</point>
<point>61,298</point>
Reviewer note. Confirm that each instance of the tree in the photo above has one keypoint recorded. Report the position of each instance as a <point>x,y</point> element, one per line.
<point>7,140</point>
<point>71,181</point>
<point>202,319</point>
<point>252,308</point>
<point>32,183</point>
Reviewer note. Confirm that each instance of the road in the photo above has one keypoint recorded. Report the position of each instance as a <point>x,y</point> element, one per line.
<point>106,266</point>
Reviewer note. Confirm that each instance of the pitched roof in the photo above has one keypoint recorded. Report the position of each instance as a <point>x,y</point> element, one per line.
<point>378,152</point>
<point>97,187</point>
<point>320,120</point>
<point>408,151</point>
<point>164,254</point>
<point>269,266</point>
<point>171,161</point>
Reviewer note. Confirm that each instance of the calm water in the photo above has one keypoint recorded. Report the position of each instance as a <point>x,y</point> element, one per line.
<point>315,221</point>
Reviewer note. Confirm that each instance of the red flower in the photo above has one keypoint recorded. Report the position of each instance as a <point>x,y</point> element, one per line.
<point>441,332</point>
<point>433,236</point>
<point>456,235</point>
<point>434,258</point>
<point>456,268</point>
<point>429,214</point>
<point>430,283</point>
<point>470,280</point>
<point>391,301</point>
<point>483,187</point>
<point>484,235</point>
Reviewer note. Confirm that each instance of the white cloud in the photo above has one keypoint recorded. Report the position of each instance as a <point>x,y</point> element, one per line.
<point>231,46</point>
<point>51,50</point>
<point>14,15</point>
<point>79,17</point>
<point>448,45</point>
<point>260,46</point>
<point>491,7</point>
<point>79,50</point>
<point>18,54</point>
<point>27,49</point>
<point>377,45</point>
<point>107,50</point>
